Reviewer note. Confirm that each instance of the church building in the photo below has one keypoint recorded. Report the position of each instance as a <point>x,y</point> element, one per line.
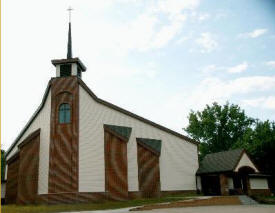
<point>79,148</point>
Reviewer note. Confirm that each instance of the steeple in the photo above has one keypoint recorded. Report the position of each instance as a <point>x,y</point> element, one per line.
<point>69,66</point>
<point>69,46</point>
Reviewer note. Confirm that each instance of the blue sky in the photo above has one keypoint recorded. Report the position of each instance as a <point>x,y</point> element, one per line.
<point>158,59</point>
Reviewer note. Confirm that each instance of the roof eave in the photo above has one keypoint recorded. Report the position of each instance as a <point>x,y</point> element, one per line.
<point>68,61</point>
<point>134,115</point>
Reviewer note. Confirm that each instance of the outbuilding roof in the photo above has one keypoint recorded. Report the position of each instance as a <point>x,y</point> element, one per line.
<point>220,162</point>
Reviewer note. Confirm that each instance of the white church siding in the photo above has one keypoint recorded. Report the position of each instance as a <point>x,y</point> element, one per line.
<point>230,183</point>
<point>199,183</point>
<point>245,161</point>
<point>42,121</point>
<point>178,160</point>
<point>258,183</point>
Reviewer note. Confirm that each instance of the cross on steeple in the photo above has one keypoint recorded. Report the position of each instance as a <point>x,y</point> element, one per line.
<point>70,9</point>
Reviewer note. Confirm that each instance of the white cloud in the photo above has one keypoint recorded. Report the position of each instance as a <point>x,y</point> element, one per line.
<point>207,42</point>
<point>270,64</point>
<point>209,69</point>
<point>203,16</point>
<point>254,34</point>
<point>263,102</point>
<point>238,68</point>
<point>182,39</point>
<point>176,6</point>
<point>147,30</point>
<point>211,90</point>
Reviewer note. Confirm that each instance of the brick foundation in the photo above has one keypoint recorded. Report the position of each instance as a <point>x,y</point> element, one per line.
<point>265,192</point>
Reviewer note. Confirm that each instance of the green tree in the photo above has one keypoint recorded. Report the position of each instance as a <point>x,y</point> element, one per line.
<point>217,127</point>
<point>3,163</point>
<point>260,144</point>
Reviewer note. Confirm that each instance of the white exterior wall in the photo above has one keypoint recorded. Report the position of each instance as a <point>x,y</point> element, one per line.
<point>178,160</point>
<point>258,183</point>
<point>41,121</point>
<point>230,183</point>
<point>57,70</point>
<point>199,183</point>
<point>245,161</point>
<point>3,190</point>
<point>6,172</point>
<point>74,69</point>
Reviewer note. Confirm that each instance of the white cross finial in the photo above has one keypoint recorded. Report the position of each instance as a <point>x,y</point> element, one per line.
<point>70,11</point>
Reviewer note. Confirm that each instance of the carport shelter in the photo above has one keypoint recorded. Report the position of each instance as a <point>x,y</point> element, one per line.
<point>230,172</point>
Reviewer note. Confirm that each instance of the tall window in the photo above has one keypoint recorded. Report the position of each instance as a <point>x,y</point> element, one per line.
<point>64,113</point>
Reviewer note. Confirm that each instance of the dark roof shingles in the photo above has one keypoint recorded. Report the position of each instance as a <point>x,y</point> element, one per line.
<point>220,161</point>
<point>123,131</point>
<point>151,143</point>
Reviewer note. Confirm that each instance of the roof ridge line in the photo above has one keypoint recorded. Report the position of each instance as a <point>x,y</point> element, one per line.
<point>135,115</point>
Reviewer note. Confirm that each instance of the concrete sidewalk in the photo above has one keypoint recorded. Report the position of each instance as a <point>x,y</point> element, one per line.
<point>201,209</point>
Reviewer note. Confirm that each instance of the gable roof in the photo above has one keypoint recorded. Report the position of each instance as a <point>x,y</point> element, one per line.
<point>220,162</point>
<point>110,105</point>
<point>153,144</point>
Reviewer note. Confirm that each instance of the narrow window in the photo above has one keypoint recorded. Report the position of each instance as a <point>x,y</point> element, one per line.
<point>64,113</point>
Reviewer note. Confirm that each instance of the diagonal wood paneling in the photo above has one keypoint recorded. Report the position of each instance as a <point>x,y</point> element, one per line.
<point>116,173</point>
<point>28,169</point>
<point>63,169</point>
<point>12,179</point>
<point>148,172</point>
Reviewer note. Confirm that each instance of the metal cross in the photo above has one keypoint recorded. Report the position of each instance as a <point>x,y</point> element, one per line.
<point>70,11</point>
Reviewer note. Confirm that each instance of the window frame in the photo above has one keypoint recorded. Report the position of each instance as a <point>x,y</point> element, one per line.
<point>65,117</point>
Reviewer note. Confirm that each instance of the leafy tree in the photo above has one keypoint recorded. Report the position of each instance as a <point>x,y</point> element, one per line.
<point>3,163</point>
<point>260,144</point>
<point>217,127</point>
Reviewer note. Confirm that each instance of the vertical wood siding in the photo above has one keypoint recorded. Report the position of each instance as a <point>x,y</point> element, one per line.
<point>178,161</point>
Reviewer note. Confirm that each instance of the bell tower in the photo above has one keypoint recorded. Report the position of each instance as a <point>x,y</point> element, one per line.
<point>69,66</point>
<point>64,124</point>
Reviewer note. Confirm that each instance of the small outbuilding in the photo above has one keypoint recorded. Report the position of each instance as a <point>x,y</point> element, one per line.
<point>230,172</point>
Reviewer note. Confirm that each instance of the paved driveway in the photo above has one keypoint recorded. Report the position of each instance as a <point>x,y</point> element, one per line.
<point>202,209</point>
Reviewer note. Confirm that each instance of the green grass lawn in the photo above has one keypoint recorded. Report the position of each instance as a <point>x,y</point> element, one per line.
<point>88,206</point>
<point>265,199</point>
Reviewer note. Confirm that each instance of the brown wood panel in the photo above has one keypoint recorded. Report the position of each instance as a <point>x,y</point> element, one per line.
<point>116,176</point>
<point>148,172</point>
<point>28,169</point>
<point>63,170</point>
<point>12,179</point>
